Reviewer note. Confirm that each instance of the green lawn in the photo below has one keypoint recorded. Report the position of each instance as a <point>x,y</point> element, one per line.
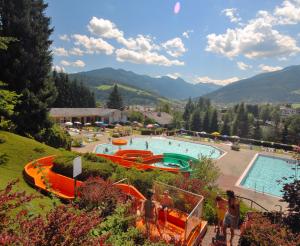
<point>20,151</point>
<point>296,105</point>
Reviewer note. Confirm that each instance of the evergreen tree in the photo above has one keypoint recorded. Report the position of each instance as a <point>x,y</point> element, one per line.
<point>206,126</point>
<point>213,125</point>
<point>284,134</point>
<point>241,122</point>
<point>26,63</point>
<point>115,99</point>
<point>257,131</point>
<point>196,121</point>
<point>71,94</point>
<point>226,126</point>
<point>188,109</point>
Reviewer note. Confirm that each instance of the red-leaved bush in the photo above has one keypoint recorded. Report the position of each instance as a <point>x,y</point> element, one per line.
<point>100,194</point>
<point>63,225</point>
<point>261,231</point>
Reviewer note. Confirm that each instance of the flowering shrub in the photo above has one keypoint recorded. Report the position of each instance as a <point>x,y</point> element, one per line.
<point>63,225</point>
<point>265,233</point>
<point>99,194</point>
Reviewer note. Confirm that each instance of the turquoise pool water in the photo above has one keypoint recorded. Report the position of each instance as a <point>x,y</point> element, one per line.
<point>264,173</point>
<point>163,145</point>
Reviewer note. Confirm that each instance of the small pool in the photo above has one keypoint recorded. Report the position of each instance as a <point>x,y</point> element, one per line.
<point>160,145</point>
<point>264,172</point>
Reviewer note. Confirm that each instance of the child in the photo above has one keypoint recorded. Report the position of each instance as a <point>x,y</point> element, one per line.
<point>221,204</point>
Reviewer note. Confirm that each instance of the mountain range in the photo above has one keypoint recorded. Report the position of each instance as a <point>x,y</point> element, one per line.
<point>282,86</point>
<point>164,86</point>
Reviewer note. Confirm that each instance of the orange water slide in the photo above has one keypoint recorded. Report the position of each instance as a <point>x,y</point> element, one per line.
<point>39,172</point>
<point>140,166</point>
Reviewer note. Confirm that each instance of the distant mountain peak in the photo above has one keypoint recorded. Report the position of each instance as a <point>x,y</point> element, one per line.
<point>280,86</point>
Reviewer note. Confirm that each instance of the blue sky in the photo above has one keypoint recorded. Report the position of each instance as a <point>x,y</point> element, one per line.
<point>217,41</point>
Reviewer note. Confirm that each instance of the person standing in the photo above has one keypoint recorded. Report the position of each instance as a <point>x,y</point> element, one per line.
<point>149,211</point>
<point>232,215</point>
<point>221,205</point>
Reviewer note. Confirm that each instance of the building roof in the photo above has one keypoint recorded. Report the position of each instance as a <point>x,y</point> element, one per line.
<point>161,118</point>
<point>80,112</point>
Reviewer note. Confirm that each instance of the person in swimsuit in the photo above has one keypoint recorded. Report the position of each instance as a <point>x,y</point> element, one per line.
<point>232,215</point>
<point>166,203</point>
<point>221,204</point>
<point>149,211</point>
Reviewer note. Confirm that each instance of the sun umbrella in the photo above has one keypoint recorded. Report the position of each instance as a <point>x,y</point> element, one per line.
<point>235,136</point>
<point>68,123</point>
<point>225,136</point>
<point>77,122</point>
<point>202,132</point>
<point>156,124</point>
<point>150,126</point>
<point>216,134</point>
<point>98,122</point>
<point>87,124</point>
<point>135,122</point>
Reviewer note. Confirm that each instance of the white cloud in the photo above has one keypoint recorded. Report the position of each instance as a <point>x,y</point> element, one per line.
<point>266,68</point>
<point>254,40</point>
<point>232,15</point>
<point>65,63</point>
<point>243,66</point>
<point>104,28</point>
<point>93,45</point>
<point>207,79</point>
<point>59,69</point>
<point>76,51</point>
<point>77,63</point>
<point>288,12</point>
<point>145,57</point>
<point>174,75</point>
<point>187,33</point>
<point>64,37</point>
<point>174,47</point>
<point>107,29</point>
<point>60,51</point>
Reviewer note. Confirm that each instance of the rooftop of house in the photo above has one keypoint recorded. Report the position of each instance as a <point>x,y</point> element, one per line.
<point>161,118</point>
<point>80,112</point>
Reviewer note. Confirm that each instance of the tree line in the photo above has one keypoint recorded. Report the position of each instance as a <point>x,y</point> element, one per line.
<point>71,94</point>
<point>261,122</point>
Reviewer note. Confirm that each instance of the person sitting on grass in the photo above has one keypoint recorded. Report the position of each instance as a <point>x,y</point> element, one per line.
<point>150,213</point>
<point>232,215</point>
<point>221,204</point>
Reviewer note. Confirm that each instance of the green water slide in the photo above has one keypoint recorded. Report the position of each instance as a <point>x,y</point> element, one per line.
<point>178,160</point>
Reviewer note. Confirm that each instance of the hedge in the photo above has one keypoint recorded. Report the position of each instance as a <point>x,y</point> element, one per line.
<point>93,165</point>
<point>157,131</point>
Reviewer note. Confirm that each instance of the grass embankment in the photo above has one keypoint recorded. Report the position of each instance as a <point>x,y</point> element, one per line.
<point>20,151</point>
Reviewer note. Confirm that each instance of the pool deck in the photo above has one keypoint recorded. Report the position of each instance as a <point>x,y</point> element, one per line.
<point>232,166</point>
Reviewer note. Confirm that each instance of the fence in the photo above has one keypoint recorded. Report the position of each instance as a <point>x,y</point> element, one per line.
<point>188,205</point>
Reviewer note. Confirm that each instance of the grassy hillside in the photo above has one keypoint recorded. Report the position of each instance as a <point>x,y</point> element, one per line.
<point>20,151</point>
<point>281,86</point>
<point>130,95</point>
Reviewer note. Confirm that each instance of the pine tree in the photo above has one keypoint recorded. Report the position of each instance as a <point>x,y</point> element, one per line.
<point>257,130</point>
<point>196,121</point>
<point>226,126</point>
<point>115,100</point>
<point>206,126</point>
<point>188,109</point>
<point>26,63</point>
<point>213,125</point>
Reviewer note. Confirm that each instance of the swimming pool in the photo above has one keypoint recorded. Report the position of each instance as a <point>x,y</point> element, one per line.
<point>160,145</point>
<point>264,171</point>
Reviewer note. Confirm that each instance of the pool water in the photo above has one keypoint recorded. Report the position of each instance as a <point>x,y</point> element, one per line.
<point>159,145</point>
<point>264,173</point>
